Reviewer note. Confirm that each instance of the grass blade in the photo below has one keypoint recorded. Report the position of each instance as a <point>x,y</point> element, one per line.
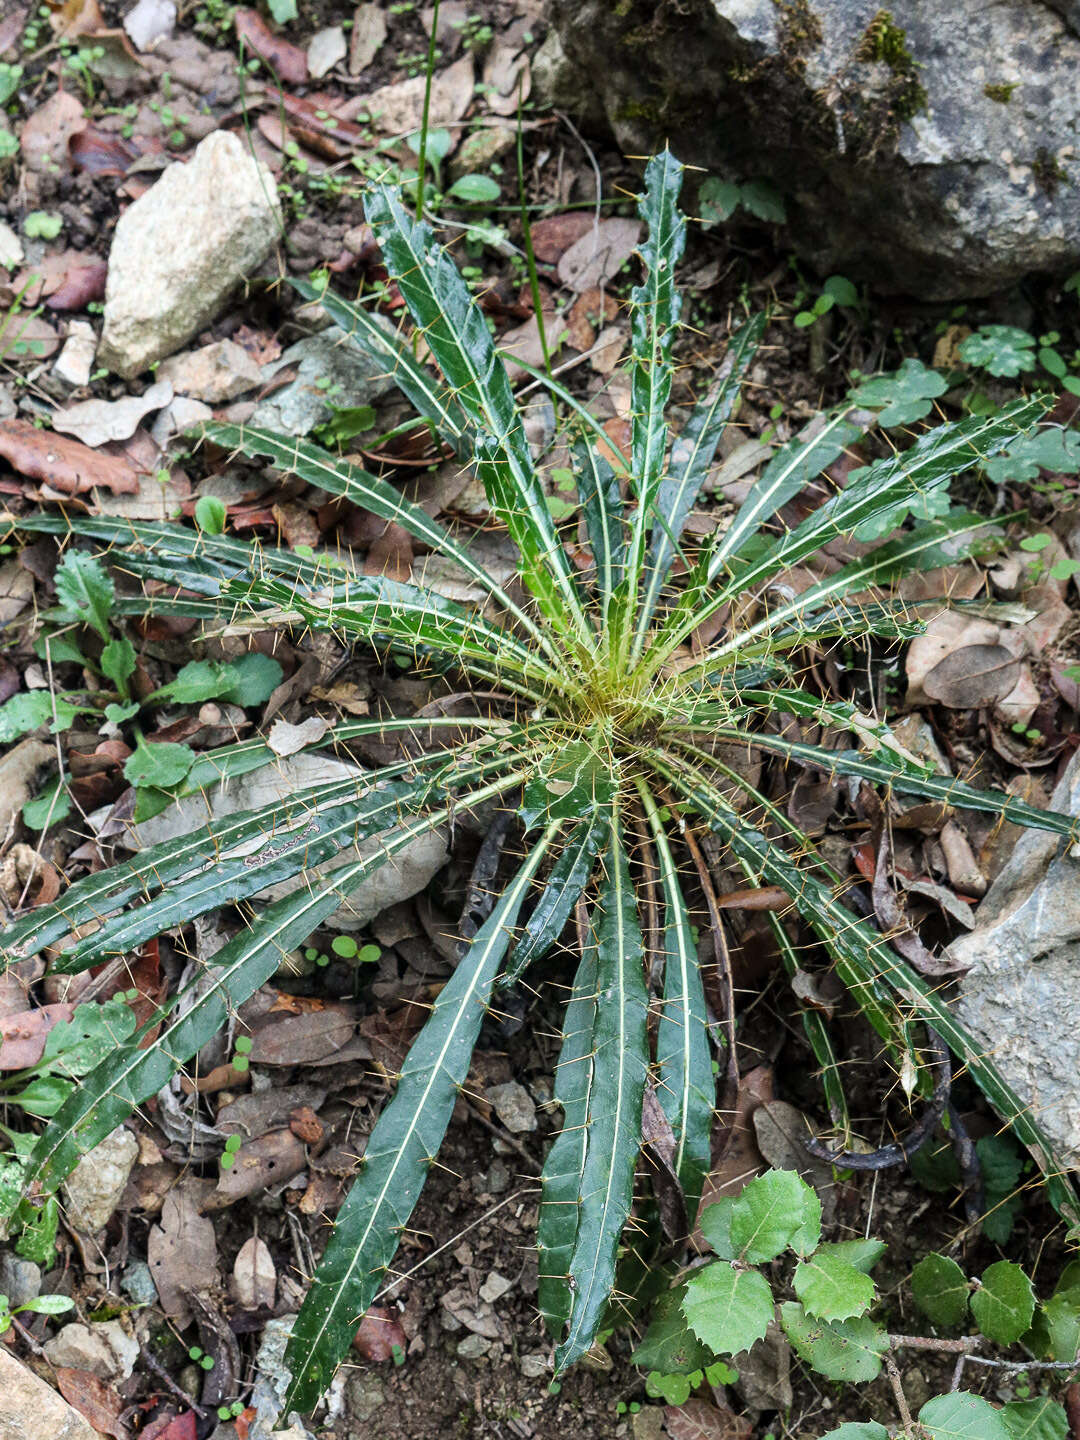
<point>686,1087</point>
<point>407,1135</point>
<point>560,1199</point>
<point>620,1062</point>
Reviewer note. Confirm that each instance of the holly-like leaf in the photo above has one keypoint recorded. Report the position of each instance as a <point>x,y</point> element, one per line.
<point>160,765</point>
<point>670,1347</point>
<point>832,1289</point>
<point>962,1416</point>
<point>775,1211</point>
<point>716,1227</point>
<point>906,395</point>
<point>839,1350</point>
<point>999,350</point>
<point>727,1308</point>
<point>940,1289</point>
<point>85,592</point>
<point>863,1254</point>
<point>1055,1331</point>
<point>1004,1305</point>
<point>1038,1419</point>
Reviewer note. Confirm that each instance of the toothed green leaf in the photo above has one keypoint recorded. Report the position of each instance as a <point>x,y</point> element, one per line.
<point>728,1309</point>
<point>840,1350</point>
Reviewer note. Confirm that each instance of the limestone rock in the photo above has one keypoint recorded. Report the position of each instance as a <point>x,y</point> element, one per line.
<point>181,249</point>
<point>92,1191</point>
<point>213,373</point>
<point>926,148</point>
<point>105,1349</point>
<point>403,875</point>
<point>32,1409</point>
<point>76,360</point>
<point>1023,986</point>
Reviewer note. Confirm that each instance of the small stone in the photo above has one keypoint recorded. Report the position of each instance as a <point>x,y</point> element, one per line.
<point>150,22</point>
<point>76,360</point>
<point>495,1287</point>
<point>32,1409</point>
<point>178,416</point>
<point>473,1347</point>
<point>214,373</point>
<point>325,49</point>
<point>11,248</point>
<point>94,1187</point>
<point>78,1347</point>
<point>514,1106</point>
<point>534,1366</point>
<point>138,1283</point>
<point>497,1179</point>
<point>181,249</point>
<point>364,1394</point>
<point>648,1423</point>
<point>330,366</point>
<point>20,1280</point>
<point>480,149</point>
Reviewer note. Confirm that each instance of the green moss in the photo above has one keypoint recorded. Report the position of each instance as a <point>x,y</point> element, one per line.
<point>1048,171</point>
<point>647,110</point>
<point>885,41</point>
<point>800,28</point>
<point>1001,93</point>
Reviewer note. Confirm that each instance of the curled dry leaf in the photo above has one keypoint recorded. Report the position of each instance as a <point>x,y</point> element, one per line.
<point>64,463</point>
<point>286,739</point>
<point>182,1252</point>
<point>83,282</point>
<point>378,1335</point>
<point>97,422</point>
<point>300,1039</point>
<point>27,879</point>
<point>972,677</point>
<point>18,771</point>
<point>286,60</point>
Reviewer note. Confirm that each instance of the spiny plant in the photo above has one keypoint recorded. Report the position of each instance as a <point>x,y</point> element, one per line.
<point>611,735</point>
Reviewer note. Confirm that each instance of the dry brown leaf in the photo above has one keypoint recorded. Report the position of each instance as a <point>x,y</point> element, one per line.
<point>182,1252</point>
<point>599,254</point>
<point>18,771</point>
<point>555,234</point>
<point>95,1399</point>
<point>702,1420</point>
<point>299,1039</point>
<point>22,1037</point>
<point>283,58</point>
<point>278,1155</point>
<point>972,677</point>
<point>65,464</point>
<point>100,422</point>
<point>77,17</point>
<point>45,136</point>
<point>379,1335</point>
<point>254,1277</point>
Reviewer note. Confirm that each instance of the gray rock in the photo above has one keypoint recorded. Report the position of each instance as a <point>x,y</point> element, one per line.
<point>138,1283</point>
<point>1023,988</point>
<point>473,1347</point>
<point>929,148</point>
<point>106,1349</point>
<point>32,1409</point>
<point>20,1280</point>
<point>404,874</point>
<point>333,370</point>
<point>76,360</point>
<point>213,373</point>
<point>514,1106</point>
<point>364,1395</point>
<point>181,249</point>
<point>92,1191</point>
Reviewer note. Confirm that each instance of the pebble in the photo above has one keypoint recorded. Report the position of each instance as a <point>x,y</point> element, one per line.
<point>75,362</point>
<point>11,248</point>
<point>495,1287</point>
<point>213,373</point>
<point>94,1187</point>
<point>105,1349</point>
<point>473,1347</point>
<point>514,1106</point>
<point>534,1366</point>
<point>20,1280</point>
<point>138,1283</point>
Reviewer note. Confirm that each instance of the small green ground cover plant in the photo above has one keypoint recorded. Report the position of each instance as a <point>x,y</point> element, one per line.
<point>723,1307</point>
<point>608,732</point>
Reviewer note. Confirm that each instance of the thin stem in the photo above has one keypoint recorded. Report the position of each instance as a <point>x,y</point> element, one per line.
<point>422,156</point>
<point>526,231</point>
<point>898,1393</point>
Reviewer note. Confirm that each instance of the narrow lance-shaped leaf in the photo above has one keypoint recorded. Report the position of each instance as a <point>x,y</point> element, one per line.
<point>655,308</point>
<point>868,960</point>
<point>458,337</point>
<point>691,456</point>
<point>687,1087</point>
<point>404,1142</point>
<point>568,878</point>
<point>601,502</point>
<point>131,1074</point>
<point>560,1199</point>
<point>98,895</point>
<point>620,1061</point>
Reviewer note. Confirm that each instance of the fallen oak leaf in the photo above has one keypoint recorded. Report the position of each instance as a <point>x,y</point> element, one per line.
<point>379,1336</point>
<point>66,464</point>
<point>94,1399</point>
<point>286,60</point>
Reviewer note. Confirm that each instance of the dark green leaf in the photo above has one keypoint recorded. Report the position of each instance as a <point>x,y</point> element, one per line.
<point>161,764</point>
<point>728,1309</point>
<point>564,886</point>
<point>773,1212</point>
<point>839,1350</point>
<point>84,591</point>
<point>670,1346</point>
<point>1039,1419</point>
<point>1004,1304</point>
<point>940,1289</point>
<point>118,662</point>
<point>831,1288</point>
<point>962,1416</point>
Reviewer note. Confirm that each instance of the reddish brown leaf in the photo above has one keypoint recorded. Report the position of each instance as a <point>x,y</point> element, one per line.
<point>48,129</point>
<point>102,152</point>
<point>22,1037</point>
<point>84,282</point>
<point>764,897</point>
<point>379,1333</point>
<point>75,18</point>
<point>62,462</point>
<point>95,1400</point>
<point>553,236</point>
<point>172,1427</point>
<point>296,1039</point>
<point>275,1156</point>
<point>306,1125</point>
<point>286,60</point>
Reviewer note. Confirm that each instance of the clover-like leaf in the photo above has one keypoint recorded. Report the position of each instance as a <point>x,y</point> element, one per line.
<point>962,1416</point>
<point>1004,1304</point>
<point>840,1349</point>
<point>775,1211</point>
<point>940,1289</point>
<point>1003,350</point>
<point>1048,448</point>
<point>728,1309</point>
<point>904,395</point>
<point>831,1288</point>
